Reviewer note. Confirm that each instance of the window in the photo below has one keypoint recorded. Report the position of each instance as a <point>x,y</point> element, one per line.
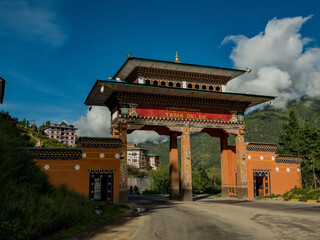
<point>170,84</point>
<point>197,86</point>
<point>189,85</point>
<point>163,83</point>
<point>210,88</point>
<point>218,89</point>
<point>178,84</point>
<point>147,82</point>
<point>204,87</point>
<point>156,83</point>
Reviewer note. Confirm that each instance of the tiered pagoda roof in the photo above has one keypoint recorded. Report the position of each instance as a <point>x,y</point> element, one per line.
<point>139,79</point>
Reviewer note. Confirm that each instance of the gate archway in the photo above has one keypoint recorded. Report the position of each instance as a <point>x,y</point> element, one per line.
<point>178,110</point>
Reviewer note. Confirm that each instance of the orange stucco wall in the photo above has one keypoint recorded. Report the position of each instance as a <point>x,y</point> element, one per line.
<point>280,180</point>
<point>63,171</point>
<point>228,167</point>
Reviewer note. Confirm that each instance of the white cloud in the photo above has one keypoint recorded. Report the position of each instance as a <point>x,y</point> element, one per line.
<point>33,20</point>
<point>96,123</point>
<point>281,63</point>
<point>146,136</point>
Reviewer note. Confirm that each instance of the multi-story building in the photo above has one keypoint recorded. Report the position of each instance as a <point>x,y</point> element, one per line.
<point>139,158</point>
<point>153,161</point>
<point>61,132</point>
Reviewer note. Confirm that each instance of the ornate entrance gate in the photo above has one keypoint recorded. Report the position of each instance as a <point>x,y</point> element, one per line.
<point>176,99</point>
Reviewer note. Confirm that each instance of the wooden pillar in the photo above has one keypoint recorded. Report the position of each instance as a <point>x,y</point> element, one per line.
<point>186,174</point>
<point>174,168</point>
<point>224,165</point>
<point>242,184</point>
<point>123,196</point>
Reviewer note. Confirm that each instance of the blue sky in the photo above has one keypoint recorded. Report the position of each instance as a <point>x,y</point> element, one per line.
<point>53,51</point>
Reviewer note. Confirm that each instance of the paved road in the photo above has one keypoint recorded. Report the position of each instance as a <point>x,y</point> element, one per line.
<point>215,218</point>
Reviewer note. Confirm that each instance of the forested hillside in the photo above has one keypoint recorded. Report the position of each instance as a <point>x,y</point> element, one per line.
<point>262,125</point>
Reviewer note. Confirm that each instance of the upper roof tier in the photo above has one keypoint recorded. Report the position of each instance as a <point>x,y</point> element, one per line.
<point>133,68</point>
<point>180,82</point>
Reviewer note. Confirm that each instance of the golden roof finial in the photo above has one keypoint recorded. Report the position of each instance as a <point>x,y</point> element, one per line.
<point>177,58</point>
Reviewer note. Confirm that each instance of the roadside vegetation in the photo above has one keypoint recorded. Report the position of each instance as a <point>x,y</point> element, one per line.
<point>30,206</point>
<point>304,193</point>
<point>201,182</point>
<point>136,172</point>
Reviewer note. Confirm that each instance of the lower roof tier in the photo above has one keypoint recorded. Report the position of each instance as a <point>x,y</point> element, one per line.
<point>104,93</point>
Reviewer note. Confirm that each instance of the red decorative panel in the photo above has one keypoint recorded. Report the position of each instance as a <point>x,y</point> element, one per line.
<point>183,113</point>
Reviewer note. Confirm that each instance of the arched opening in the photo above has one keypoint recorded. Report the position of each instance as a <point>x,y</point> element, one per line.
<point>163,83</point>
<point>218,89</point>
<point>197,86</point>
<point>170,84</point>
<point>190,85</point>
<point>204,87</point>
<point>178,85</point>
<point>147,82</point>
<point>156,83</point>
<point>210,88</point>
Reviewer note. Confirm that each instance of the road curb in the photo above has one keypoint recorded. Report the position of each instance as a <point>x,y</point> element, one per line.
<point>300,200</point>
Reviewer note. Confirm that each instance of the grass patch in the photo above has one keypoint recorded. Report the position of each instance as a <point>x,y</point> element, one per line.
<point>305,193</point>
<point>110,211</point>
<point>272,195</point>
<point>30,206</point>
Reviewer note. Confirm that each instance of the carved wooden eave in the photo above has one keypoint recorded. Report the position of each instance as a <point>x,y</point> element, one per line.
<point>157,68</point>
<point>166,74</point>
<point>123,92</point>
<point>261,147</point>
<point>288,159</point>
<point>97,142</point>
<point>56,153</point>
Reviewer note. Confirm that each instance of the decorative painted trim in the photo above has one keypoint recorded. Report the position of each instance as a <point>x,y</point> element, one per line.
<point>176,101</point>
<point>261,170</point>
<point>101,170</point>
<point>261,147</point>
<point>180,120</point>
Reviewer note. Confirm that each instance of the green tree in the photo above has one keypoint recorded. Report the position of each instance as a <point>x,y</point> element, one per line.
<point>160,179</point>
<point>302,140</point>
<point>200,180</point>
<point>290,139</point>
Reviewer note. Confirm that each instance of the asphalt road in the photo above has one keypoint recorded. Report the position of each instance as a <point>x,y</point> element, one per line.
<point>216,218</point>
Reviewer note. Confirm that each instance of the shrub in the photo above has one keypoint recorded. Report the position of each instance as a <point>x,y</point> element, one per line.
<point>30,206</point>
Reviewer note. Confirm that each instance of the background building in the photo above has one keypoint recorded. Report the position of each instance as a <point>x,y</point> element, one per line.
<point>61,132</point>
<point>141,159</point>
<point>153,161</point>
<point>137,157</point>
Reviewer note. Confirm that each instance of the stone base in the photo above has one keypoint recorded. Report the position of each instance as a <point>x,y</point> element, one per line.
<point>123,196</point>
<point>174,194</point>
<point>186,194</point>
<point>224,192</point>
<point>242,192</point>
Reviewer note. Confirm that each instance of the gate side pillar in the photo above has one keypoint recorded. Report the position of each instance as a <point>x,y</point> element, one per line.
<point>224,165</point>
<point>242,184</point>
<point>174,190</point>
<point>186,174</point>
<point>123,196</point>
